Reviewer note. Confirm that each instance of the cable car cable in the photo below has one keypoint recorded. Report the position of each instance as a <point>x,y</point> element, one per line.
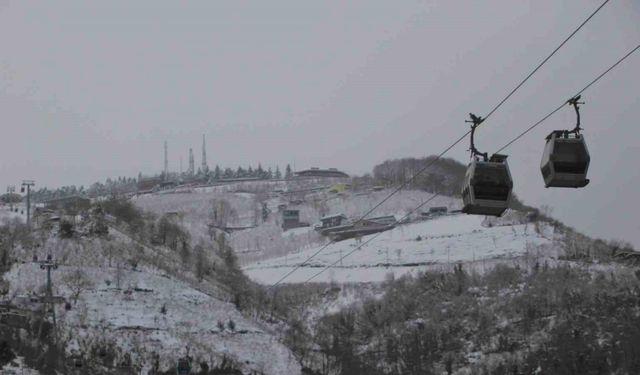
<point>546,59</point>
<point>576,95</point>
<point>490,112</point>
<point>412,178</point>
<point>518,137</point>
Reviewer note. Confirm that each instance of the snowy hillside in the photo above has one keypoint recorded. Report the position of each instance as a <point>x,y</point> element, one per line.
<point>154,313</point>
<point>140,302</point>
<point>407,249</point>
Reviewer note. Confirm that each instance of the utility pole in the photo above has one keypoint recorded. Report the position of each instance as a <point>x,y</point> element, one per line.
<point>11,190</point>
<point>28,184</point>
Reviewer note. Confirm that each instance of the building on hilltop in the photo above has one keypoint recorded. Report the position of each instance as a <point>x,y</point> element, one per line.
<point>317,172</point>
<point>331,221</point>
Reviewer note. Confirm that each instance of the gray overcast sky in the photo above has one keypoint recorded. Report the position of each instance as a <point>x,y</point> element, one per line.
<point>92,89</point>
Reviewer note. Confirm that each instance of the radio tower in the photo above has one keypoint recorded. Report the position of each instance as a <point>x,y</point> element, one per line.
<point>166,161</point>
<point>205,169</point>
<point>192,167</point>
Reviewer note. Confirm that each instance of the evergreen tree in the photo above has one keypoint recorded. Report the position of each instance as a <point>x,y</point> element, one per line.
<point>288,173</point>
<point>240,172</point>
<point>269,174</point>
<point>260,172</point>
<point>228,173</point>
<point>250,172</point>
<point>217,173</point>
<point>278,174</point>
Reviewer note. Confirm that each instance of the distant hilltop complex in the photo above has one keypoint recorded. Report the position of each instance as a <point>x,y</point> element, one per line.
<point>205,175</point>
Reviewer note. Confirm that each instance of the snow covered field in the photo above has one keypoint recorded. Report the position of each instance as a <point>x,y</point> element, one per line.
<point>406,249</point>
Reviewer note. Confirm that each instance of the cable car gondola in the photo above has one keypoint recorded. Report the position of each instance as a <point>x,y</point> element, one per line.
<point>565,159</point>
<point>487,183</point>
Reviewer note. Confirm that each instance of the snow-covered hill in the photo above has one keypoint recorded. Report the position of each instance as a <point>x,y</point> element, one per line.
<point>406,249</point>
<point>146,300</point>
<point>155,313</point>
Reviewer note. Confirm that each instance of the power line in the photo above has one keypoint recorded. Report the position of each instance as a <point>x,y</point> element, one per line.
<point>412,178</point>
<point>512,141</point>
<point>578,93</point>
<point>545,60</point>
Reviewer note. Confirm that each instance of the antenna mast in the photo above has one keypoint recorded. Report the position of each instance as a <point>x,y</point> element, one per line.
<point>204,156</point>
<point>166,161</point>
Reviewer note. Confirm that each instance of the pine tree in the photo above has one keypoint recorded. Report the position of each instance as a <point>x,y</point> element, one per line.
<point>278,174</point>
<point>288,173</point>
<point>269,174</point>
<point>217,173</point>
<point>260,172</point>
<point>240,173</point>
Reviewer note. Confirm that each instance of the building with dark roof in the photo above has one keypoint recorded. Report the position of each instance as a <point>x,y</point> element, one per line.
<point>317,172</point>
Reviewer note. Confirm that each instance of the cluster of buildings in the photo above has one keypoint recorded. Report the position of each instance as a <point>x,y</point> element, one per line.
<point>339,227</point>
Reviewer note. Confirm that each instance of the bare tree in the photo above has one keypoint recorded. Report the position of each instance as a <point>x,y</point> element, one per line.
<point>222,213</point>
<point>11,233</point>
<point>77,281</point>
<point>118,275</point>
<point>202,263</point>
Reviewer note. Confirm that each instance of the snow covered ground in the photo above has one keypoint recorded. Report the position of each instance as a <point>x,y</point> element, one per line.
<point>406,249</point>
<point>132,317</point>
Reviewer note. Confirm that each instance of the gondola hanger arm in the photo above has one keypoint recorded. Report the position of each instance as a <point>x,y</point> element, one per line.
<point>575,102</point>
<point>475,122</point>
